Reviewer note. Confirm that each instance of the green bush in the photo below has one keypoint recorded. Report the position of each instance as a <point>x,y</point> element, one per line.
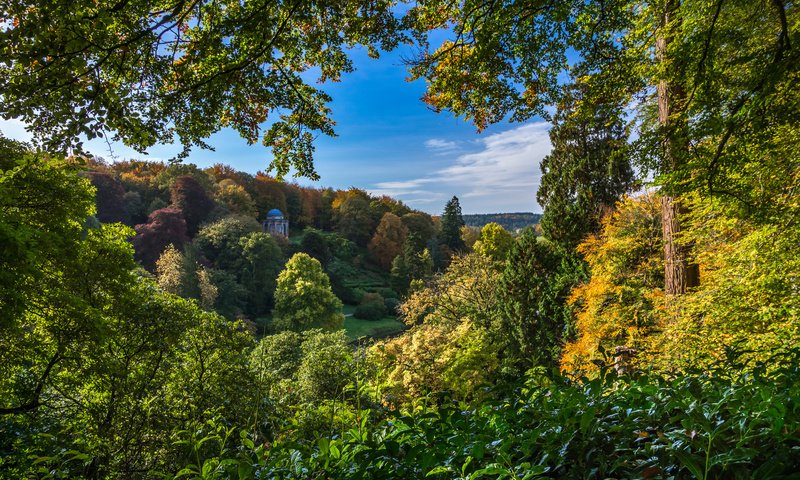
<point>387,293</point>
<point>392,305</point>
<point>370,311</point>
<point>372,307</point>
<point>703,426</point>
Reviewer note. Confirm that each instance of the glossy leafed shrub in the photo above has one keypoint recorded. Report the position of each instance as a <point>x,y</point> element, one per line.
<point>702,426</point>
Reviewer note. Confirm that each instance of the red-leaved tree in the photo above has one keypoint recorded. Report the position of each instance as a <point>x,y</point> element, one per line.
<point>164,227</point>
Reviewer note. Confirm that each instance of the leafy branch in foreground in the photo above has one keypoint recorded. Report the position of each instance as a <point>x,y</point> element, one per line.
<point>155,71</point>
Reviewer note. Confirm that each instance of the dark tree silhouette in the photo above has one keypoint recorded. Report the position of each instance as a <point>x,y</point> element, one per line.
<point>109,198</point>
<point>191,199</point>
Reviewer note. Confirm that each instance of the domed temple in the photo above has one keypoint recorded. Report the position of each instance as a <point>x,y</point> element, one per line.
<point>276,223</point>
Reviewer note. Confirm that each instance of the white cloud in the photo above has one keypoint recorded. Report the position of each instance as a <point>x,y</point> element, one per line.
<point>441,147</point>
<point>503,175</point>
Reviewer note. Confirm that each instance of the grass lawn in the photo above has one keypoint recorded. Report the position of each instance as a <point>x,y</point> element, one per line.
<point>354,327</point>
<point>357,328</point>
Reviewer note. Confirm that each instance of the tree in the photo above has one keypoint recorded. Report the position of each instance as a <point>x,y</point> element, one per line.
<point>353,217</point>
<point>316,246</point>
<point>164,227</point>
<point>748,267</point>
<point>533,290</point>
<point>324,220</point>
<point>135,208</point>
<point>305,368</point>
<point>453,343</point>
<point>387,243</point>
<point>412,264</point>
<point>470,235</point>
<point>495,242</point>
<point>173,275</point>
<point>371,307</point>
<point>312,206</point>
<point>421,225</point>
<point>235,198</point>
<point>294,205</point>
<point>86,342</point>
<point>707,83</point>
<point>110,198</point>
<point>587,170</point>
<point>268,194</point>
<point>192,200</point>
<point>451,226</point>
<point>219,241</point>
<point>303,298</point>
<point>261,262</point>
<point>145,73</point>
<point>621,303</point>
<point>43,210</point>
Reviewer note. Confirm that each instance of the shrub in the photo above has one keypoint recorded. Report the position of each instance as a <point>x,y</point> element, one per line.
<point>388,293</point>
<point>372,307</point>
<point>392,305</point>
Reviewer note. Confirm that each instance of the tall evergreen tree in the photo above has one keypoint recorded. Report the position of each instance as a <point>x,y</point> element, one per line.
<point>533,288</point>
<point>586,172</point>
<point>451,226</point>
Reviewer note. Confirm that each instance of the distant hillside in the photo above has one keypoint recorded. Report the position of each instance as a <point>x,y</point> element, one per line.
<point>509,221</point>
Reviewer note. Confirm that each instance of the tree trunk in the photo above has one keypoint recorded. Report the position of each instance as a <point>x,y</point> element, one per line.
<point>679,273</point>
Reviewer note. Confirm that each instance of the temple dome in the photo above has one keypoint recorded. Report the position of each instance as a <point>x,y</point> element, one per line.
<point>274,213</point>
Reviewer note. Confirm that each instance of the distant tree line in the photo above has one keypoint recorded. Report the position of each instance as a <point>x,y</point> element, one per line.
<point>512,222</point>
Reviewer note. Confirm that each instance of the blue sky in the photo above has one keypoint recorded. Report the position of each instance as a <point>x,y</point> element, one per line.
<point>391,143</point>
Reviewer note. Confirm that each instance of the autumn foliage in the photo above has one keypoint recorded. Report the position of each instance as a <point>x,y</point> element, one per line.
<point>621,304</point>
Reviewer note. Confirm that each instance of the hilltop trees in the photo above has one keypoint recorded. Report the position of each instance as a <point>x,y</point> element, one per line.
<point>388,241</point>
<point>353,217</point>
<point>110,198</point>
<point>164,227</point>
<point>304,298</point>
<point>421,225</point>
<point>191,199</point>
<point>235,198</point>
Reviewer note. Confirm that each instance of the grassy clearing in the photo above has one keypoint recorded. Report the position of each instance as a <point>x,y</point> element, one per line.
<point>357,328</point>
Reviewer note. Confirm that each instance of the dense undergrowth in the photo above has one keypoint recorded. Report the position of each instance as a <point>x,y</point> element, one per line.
<point>703,425</point>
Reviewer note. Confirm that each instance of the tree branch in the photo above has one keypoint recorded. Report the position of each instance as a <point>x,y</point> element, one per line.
<point>34,403</point>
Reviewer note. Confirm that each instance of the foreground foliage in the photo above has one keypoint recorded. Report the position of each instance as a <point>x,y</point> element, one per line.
<point>699,425</point>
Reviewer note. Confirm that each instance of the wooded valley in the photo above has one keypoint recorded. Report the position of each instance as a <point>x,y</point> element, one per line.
<point>155,321</point>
